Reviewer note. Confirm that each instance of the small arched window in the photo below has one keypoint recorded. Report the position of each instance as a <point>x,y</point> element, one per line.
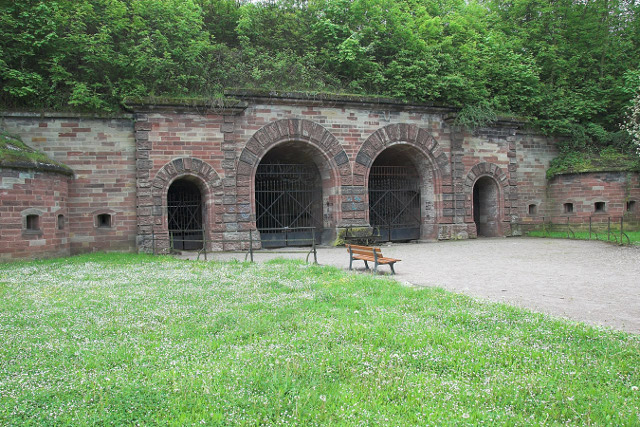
<point>60,222</point>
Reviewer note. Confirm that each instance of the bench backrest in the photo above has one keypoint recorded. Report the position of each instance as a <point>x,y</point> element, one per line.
<point>364,250</point>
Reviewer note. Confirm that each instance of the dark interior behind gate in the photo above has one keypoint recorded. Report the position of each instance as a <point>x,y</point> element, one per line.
<point>394,202</point>
<point>184,215</point>
<point>288,204</point>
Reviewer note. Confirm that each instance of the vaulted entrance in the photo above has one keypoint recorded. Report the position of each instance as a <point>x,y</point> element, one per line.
<point>485,207</point>
<point>394,195</point>
<point>288,195</point>
<point>184,215</point>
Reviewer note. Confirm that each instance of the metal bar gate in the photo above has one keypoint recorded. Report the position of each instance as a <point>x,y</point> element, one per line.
<point>394,202</point>
<point>288,202</point>
<point>184,211</point>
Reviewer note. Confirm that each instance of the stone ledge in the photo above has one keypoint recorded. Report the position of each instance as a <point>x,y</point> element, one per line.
<point>224,106</point>
<point>336,100</point>
<point>37,167</point>
<point>66,115</point>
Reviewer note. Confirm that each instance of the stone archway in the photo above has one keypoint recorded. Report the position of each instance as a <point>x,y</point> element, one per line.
<point>289,194</point>
<point>485,187</point>
<point>185,214</point>
<point>324,150</point>
<point>153,221</point>
<point>395,189</point>
<point>395,145</point>
<point>485,207</point>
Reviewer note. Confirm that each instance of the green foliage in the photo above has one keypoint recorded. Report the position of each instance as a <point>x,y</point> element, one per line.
<point>613,235</point>
<point>607,160</point>
<point>126,339</point>
<point>478,115</point>
<point>528,58</point>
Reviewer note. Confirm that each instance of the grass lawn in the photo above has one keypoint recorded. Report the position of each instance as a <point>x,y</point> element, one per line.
<point>127,339</point>
<point>634,236</point>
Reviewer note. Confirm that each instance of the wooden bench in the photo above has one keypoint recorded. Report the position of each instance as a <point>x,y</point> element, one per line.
<point>367,253</point>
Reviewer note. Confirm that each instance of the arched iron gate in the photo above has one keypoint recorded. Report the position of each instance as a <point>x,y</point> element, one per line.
<point>288,204</point>
<point>394,202</point>
<point>184,214</point>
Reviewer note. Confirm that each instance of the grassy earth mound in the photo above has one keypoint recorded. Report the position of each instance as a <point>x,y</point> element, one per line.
<point>16,154</point>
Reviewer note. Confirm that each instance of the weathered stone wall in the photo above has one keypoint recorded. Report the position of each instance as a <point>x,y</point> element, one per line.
<point>102,154</point>
<point>534,154</point>
<point>619,191</point>
<point>490,152</point>
<point>170,146</point>
<point>124,168</point>
<point>41,194</point>
<point>223,151</point>
<point>347,137</point>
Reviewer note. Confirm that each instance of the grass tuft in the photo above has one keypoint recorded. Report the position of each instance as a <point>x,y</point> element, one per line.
<point>613,236</point>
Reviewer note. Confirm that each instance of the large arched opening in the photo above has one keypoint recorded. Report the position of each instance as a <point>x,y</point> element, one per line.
<point>185,214</point>
<point>292,181</point>
<point>486,207</point>
<point>401,194</point>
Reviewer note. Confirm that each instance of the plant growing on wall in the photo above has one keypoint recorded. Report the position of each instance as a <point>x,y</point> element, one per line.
<point>632,122</point>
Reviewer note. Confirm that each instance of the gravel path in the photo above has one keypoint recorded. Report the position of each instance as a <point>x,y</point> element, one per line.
<point>593,282</point>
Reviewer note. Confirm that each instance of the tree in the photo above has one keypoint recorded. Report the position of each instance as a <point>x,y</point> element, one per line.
<point>562,63</point>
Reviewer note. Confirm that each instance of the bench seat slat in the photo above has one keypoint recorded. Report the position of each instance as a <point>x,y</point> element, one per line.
<point>381,260</point>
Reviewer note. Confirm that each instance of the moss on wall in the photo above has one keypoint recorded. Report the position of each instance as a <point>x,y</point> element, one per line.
<point>608,160</point>
<point>16,154</point>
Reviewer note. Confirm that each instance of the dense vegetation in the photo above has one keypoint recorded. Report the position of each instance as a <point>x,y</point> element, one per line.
<point>570,65</point>
<point>125,339</point>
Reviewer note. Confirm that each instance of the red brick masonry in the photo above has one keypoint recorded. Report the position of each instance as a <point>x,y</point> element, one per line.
<point>125,166</point>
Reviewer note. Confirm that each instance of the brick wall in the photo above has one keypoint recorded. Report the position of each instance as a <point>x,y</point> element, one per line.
<point>125,166</point>
<point>102,154</point>
<point>489,153</point>
<point>342,139</point>
<point>362,132</point>
<point>40,194</point>
<point>534,155</point>
<point>616,193</point>
<point>171,146</point>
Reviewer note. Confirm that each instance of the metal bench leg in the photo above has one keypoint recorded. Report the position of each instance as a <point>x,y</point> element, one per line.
<point>350,256</point>
<point>375,258</point>
<point>392,270</point>
<point>366,265</point>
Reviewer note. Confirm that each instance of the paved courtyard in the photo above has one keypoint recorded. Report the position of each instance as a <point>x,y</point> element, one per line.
<point>593,282</point>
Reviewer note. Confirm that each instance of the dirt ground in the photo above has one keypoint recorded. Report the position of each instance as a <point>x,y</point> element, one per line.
<point>592,282</point>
